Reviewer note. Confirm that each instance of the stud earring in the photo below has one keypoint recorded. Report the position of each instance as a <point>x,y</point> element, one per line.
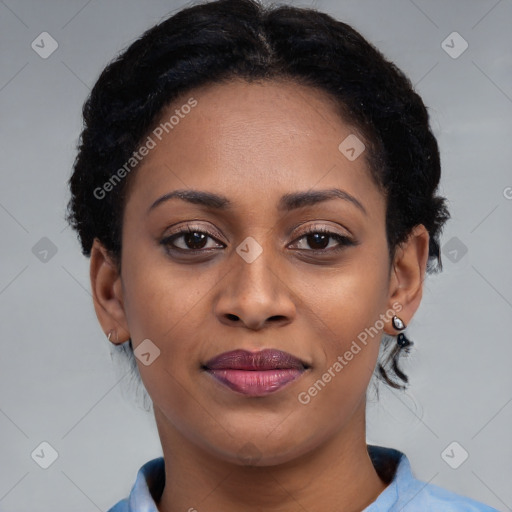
<point>110,334</point>
<point>399,325</point>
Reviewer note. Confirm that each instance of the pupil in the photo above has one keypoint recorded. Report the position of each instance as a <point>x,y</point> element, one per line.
<point>194,238</point>
<point>320,239</point>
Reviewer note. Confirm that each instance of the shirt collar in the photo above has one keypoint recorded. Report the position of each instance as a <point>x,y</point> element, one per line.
<point>148,487</point>
<point>392,466</point>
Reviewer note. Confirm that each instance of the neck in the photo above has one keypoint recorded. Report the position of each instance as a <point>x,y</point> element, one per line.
<point>337,476</point>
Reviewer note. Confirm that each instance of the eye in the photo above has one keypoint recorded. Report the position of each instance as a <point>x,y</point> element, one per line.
<point>192,240</point>
<point>319,240</point>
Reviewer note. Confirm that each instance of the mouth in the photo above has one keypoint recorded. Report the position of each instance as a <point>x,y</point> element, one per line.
<point>255,373</point>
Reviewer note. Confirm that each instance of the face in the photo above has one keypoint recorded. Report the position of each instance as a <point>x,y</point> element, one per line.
<point>274,264</point>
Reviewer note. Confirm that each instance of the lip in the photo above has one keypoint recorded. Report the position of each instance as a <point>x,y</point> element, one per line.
<point>255,373</point>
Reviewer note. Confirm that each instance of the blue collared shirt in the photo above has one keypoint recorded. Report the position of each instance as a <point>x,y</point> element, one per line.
<point>403,494</point>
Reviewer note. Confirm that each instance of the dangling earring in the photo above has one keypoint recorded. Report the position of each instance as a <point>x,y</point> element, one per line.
<point>399,325</point>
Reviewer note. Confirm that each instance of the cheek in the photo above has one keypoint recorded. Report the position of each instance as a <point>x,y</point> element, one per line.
<point>166,308</point>
<point>160,307</point>
<point>346,300</point>
<point>162,297</point>
<point>344,309</point>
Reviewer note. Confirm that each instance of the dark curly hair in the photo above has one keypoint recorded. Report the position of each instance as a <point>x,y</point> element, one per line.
<point>218,41</point>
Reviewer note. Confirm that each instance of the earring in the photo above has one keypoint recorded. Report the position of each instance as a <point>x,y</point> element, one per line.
<point>399,325</point>
<point>110,334</point>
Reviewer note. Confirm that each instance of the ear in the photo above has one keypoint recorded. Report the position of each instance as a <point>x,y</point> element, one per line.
<point>107,294</point>
<point>407,276</point>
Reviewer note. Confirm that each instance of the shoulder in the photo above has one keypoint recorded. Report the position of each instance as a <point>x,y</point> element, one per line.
<point>120,506</point>
<point>419,496</point>
<point>405,493</point>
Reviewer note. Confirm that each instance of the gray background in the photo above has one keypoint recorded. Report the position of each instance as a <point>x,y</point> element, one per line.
<point>57,380</point>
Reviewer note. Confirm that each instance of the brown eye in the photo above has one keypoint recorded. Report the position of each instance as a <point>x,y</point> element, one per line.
<point>190,240</point>
<point>319,240</point>
<point>194,240</point>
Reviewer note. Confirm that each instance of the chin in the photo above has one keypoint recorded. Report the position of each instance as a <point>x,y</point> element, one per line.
<point>260,449</point>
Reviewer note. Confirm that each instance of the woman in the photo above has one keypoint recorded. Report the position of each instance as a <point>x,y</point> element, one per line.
<point>256,190</point>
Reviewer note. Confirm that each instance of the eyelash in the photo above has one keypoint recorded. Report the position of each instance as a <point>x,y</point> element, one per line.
<point>343,241</point>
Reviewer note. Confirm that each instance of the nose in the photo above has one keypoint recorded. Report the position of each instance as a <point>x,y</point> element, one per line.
<point>254,295</point>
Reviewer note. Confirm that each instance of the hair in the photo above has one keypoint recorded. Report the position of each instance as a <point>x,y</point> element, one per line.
<point>224,40</point>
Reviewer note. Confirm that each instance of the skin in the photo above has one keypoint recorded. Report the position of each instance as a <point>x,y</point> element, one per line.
<point>254,143</point>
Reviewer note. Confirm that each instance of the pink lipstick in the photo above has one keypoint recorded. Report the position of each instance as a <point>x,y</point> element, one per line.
<point>255,373</point>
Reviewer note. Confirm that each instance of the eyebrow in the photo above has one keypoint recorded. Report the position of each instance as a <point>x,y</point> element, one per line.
<point>288,202</point>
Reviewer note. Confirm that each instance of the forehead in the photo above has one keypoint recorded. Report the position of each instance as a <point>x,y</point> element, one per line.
<point>255,140</point>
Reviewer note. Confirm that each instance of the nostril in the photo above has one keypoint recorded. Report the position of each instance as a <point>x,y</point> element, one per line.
<point>276,318</point>
<point>232,317</point>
